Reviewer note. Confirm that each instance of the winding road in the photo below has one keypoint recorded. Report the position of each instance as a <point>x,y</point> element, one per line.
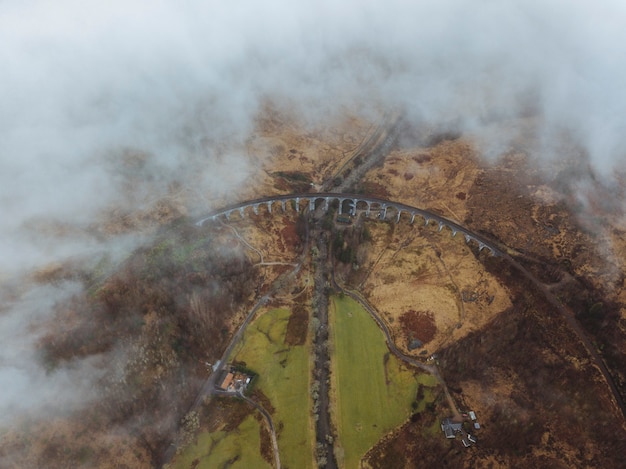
<point>432,369</point>
<point>270,424</point>
<point>209,387</point>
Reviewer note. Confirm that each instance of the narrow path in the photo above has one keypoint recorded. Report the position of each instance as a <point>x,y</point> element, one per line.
<point>252,248</point>
<point>572,322</point>
<point>565,312</point>
<point>270,423</point>
<point>209,388</point>
<point>432,369</point>
<point>243,241</point>
<point>459,296</point>
<point>371,150</point>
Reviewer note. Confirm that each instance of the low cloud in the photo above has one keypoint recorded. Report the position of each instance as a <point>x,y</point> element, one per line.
<point>85,85</point>
<point>27,387</point>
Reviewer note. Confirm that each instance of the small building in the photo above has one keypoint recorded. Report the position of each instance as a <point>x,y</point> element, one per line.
<point>448,431</point>
<point>227,381</point>
<point>466,443</point>
<point>471,438</point>
<point>450,428</point>
<point>414,344</point>
<point>477,425</point>
<point>235,381</point>
<point>472,415</point>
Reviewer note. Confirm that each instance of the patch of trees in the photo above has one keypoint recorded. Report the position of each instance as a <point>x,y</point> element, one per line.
<point>298,181</point>
<point>159,317</point>
<point>342,249</point>
<point>372,188</point>
<point>294,176</point>
<point>346,241</point>
<point>298,325</point>
<point>600,316</point>
<point>530,345</point>
<point>419,325</point>
<point>302,229</point>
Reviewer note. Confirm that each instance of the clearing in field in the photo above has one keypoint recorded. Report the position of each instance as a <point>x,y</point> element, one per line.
<point>238,448</point>
<point>284,373</point>
<point>373,389</point>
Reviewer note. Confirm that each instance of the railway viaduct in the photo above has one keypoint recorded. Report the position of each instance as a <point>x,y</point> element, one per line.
<point>383,209</point>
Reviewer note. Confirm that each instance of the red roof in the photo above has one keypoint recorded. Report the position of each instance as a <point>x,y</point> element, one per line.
<point>227,381</point>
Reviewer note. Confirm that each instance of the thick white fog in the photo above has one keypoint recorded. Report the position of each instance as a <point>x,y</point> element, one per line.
<point>81,83</point>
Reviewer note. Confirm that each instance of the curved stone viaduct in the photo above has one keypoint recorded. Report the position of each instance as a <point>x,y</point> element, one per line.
<point>350,204</point>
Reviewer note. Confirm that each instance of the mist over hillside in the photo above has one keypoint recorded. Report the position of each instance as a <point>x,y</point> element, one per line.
<point>108,108</point>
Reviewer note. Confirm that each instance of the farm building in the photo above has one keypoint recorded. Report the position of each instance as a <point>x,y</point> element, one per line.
<point>450,428</point>
<point>235,381</point>
<point>227,381</point>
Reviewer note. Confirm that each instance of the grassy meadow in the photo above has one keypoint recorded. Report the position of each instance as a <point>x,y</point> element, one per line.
<point>284,377</point>
<point>373,389</point>
<point>234,449</point>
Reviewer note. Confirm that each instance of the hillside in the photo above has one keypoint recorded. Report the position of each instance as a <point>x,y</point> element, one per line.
<point>154,323</point>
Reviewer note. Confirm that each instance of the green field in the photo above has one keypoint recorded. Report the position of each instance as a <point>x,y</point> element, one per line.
<point>236,449</point>
<point>284,375</point>
<point>374,390</point>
